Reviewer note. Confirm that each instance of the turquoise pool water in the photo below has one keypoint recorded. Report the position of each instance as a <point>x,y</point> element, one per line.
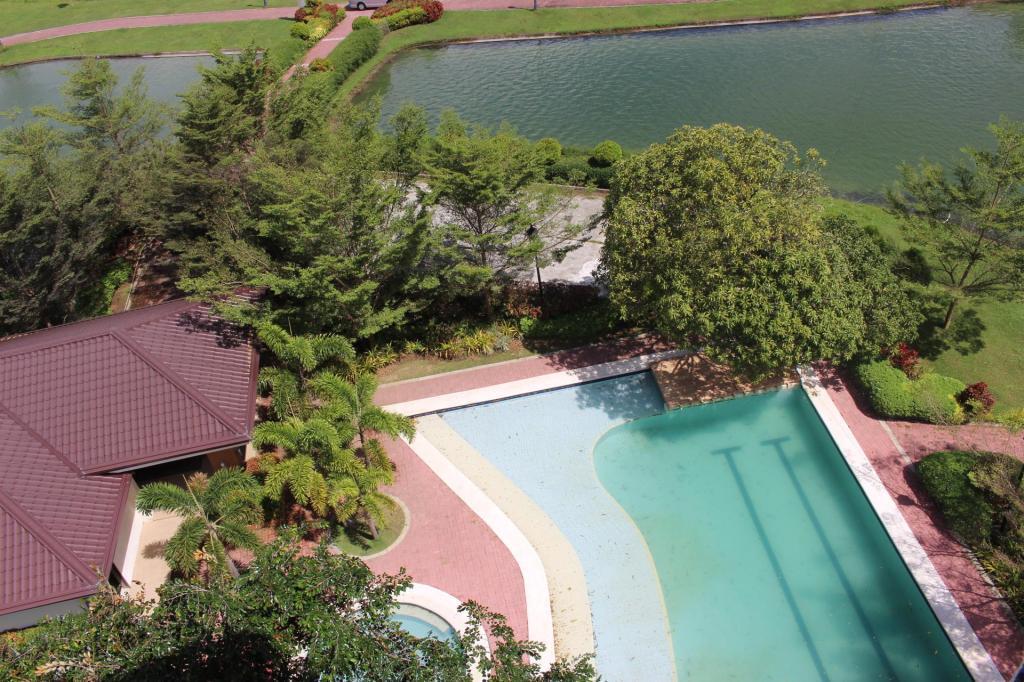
<point>421,622</point>
<point>724,542</point>
<point>772,564</point>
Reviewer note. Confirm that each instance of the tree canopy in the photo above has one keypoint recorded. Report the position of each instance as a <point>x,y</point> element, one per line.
<point>291,616</point>
<point>715,240</point>
<point>971,217</point>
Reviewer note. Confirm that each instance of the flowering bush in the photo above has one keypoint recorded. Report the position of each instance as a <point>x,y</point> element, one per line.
<point>432,9</point>
<point>906,359</point>
<point>316,12</point>
<point>977,399</point>
<point>300,14</point>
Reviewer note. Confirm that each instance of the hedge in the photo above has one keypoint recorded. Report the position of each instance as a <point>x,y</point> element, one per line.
<point>978,495</point>
<point>351,52</point>
<point>930,398</point>
<point>965,508</point>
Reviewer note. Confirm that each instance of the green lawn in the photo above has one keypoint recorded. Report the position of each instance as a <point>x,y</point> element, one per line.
<point>19,16</point>
<point>985,343</point>
<point>271,35</point>
<point>465,25</point>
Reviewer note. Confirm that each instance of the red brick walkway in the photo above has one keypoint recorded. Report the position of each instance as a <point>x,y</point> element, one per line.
<point>448,546</point>
<point>992,622</point>
<point>149,21</point>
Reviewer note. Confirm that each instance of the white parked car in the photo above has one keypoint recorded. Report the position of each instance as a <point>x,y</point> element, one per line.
<point>366,4</point>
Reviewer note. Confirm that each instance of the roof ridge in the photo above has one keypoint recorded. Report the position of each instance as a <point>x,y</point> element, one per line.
<point>42,534</point>
<point>74,468</point>
<point>179,382</point>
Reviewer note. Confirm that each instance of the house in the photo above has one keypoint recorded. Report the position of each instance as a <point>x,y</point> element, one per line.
<point>88,408</point>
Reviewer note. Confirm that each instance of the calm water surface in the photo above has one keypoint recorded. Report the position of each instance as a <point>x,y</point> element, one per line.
<point>866,92</point>
<point>33,85</point>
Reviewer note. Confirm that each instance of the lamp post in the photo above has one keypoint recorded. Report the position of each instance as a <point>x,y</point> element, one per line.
<point>530,232</point>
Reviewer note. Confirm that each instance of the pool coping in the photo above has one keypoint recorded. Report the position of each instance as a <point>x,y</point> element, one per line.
<point>973,654</point>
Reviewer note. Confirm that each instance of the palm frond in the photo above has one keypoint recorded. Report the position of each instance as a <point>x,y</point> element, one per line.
<point>165,497</point>
<point>181,548</point>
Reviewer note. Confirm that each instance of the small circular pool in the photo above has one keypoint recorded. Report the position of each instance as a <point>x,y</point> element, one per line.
<point>421,622</point>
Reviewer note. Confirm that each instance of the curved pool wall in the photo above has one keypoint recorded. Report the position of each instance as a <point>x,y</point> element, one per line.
<point>26,86</point>
<point>544,443</point>
<point>867,92</point>
<point>421,622</point>
<point>773,564</point>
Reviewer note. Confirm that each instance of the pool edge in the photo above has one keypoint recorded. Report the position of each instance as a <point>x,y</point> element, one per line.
<point>972,653</point>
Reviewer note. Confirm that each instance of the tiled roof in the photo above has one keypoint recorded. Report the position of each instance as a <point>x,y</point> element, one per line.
<point>83,400</point>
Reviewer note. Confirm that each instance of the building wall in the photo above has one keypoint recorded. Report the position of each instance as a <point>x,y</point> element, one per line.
<point>29,617</point>
<point>127,547</point>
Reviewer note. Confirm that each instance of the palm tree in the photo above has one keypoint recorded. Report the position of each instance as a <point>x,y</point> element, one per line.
<point>216,509</point>
<point>362,496</point>
<point>299,356</point>
<point>353,401</point>
<point>316,456</point>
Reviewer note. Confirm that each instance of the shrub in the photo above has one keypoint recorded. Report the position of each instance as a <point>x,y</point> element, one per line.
<point>317,32</point>
<point>407,17</point>
<point>569,170</point>
<point>549,149</point>
<point>301,14</point>
<point>606,154</point>
<point>361,23</point>
<point>320,64</point>
<point>907,360</point>
<point>930,398</point>
<point>351,52</point>
<point>977,399</point>
<point>432,9</point>
<point>300,31</point>
<point>946,477</point>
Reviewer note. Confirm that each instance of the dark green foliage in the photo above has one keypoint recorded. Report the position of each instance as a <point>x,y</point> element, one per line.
<point>290,617</point>
<point>73,198</point>
<point>946,477</point>
<point>981,498</point>
<point>714,239</point>
<point>930,398</point>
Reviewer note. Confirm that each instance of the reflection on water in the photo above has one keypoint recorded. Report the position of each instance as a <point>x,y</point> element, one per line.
<point>867,92</point>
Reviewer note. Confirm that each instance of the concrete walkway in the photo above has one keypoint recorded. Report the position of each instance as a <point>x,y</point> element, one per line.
<point>148,22</point>
<point>992,621</point>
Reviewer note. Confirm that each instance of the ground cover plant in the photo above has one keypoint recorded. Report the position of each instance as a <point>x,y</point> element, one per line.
<point>981,499</point>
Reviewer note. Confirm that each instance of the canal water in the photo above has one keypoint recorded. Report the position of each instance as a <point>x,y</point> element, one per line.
<point>867,92</point>
<point>32,85</point>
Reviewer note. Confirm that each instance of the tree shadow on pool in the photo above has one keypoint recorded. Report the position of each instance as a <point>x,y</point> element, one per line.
<point>622,398</point>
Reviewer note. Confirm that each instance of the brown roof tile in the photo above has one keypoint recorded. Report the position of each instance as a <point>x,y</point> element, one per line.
<point>92,398</point>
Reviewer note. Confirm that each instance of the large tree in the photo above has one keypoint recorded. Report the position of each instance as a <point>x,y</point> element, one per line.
<point>76,196</point>
<point>714,238</point>
<point>495,216</point>
<point>972,218</point>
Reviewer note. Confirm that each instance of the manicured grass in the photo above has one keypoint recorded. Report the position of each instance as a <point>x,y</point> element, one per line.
<point>271,35</point>
<point>466,25</point>
<point>418,366</point>
<point>985,343</point>
<point>19,16</point>
<point>357,541</point>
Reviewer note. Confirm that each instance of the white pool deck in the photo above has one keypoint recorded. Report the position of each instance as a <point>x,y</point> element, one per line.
<point>556,523</point>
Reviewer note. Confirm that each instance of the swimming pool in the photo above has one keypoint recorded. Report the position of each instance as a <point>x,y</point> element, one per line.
<point>421,622</point>
<point>768,562</point>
